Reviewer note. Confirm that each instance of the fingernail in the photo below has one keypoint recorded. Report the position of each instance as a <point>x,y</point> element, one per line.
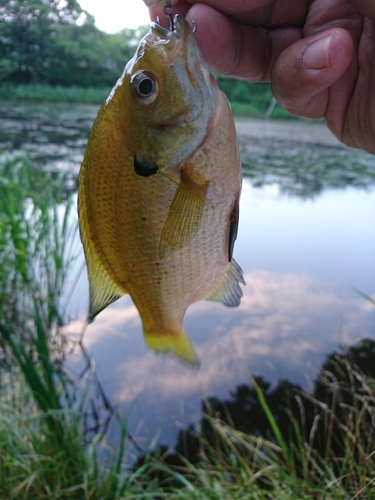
<point>316,56</point>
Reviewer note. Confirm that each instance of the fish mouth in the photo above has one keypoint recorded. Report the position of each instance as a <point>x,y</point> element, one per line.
<point>181,28</point>
<point>160,30</point>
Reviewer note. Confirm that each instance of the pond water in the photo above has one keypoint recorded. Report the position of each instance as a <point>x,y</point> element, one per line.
<point>306,244</point>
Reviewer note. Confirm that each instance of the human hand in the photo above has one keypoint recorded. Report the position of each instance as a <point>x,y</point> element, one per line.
<point>318,55</point>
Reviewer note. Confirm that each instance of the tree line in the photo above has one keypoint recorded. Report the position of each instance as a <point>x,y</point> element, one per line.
<point>56,42</point>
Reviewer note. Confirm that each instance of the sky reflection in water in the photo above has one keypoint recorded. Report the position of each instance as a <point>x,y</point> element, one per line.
<point>302,261</point>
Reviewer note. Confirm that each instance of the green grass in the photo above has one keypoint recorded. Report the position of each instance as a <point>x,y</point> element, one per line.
<point>34,234</point>
<point>327,452</point>
<point>54,93</point>
<point>42,449</point>
<point>248,109</point>
<point>256,104</point>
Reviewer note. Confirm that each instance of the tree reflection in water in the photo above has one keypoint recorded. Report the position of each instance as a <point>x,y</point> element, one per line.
<point>337,416</point>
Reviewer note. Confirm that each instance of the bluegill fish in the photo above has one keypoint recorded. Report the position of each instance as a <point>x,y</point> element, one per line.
<point>159,190</point>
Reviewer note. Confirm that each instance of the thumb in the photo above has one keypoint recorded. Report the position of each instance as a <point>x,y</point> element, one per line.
<point>305,71</point>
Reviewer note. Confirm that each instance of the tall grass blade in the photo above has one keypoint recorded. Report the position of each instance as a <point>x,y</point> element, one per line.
<point>275,428</point>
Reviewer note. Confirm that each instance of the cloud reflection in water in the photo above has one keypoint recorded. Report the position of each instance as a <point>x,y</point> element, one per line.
<point>285,325</point>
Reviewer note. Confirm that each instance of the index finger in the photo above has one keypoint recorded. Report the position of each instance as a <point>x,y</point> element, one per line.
<point>266,13</point>
<point>233,47</point>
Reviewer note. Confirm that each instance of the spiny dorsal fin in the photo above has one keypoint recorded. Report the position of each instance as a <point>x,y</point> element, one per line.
<point>228,290</point>
<point>103,289</point>
<point>184,215</point>
<point>179,345</point>
<point>102,284</point>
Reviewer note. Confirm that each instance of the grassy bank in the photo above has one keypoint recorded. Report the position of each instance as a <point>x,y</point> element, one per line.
<point>248,100</point>
<point>232,465</point>
<point>318,446</point>
<point>42,409</point>
<point>54,93</point>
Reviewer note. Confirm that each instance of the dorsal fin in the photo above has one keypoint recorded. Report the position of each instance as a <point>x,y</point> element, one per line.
<point>102,286</point>
<point>103,289</point>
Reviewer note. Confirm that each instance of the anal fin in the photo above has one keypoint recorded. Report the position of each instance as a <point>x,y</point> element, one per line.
<point>228,290</point>
<point>184,215</point>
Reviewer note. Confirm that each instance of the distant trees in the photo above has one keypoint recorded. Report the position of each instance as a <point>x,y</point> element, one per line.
<point>56,42</point>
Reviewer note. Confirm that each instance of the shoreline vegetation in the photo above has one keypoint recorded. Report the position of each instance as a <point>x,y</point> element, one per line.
<point>246,99</point>
<point>278,443</point>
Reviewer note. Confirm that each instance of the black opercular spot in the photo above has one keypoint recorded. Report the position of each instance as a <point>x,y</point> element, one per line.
<point>144,167</point>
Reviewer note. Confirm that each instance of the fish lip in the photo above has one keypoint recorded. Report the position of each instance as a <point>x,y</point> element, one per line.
<point>165,33</point>
<point>160,30</point>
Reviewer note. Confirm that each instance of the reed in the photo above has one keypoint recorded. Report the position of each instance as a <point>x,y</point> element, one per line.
<point>42,449</point>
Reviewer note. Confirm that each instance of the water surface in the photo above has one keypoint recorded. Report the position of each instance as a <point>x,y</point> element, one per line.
<point>306,244</point>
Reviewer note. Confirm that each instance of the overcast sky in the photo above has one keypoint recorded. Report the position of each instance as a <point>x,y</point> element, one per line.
<point>114,15</point>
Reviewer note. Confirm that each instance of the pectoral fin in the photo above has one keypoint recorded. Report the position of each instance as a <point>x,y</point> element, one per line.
<point>179,345</point>
<point>228,290</point>
<point>184,215</point>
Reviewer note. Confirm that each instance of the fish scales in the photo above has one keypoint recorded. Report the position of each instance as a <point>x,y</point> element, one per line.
<point>159,189</point>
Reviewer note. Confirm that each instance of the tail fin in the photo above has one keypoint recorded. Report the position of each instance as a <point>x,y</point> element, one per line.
<point>179,345</point>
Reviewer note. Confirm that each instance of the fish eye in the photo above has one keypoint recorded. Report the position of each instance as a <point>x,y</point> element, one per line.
<point>144,86</point>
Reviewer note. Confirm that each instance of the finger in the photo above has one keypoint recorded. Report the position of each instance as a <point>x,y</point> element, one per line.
<point>306,77</point>
<point>179,7</point>
<point>240,50</point>
<point>264,12</point>
<point>366,7</point>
